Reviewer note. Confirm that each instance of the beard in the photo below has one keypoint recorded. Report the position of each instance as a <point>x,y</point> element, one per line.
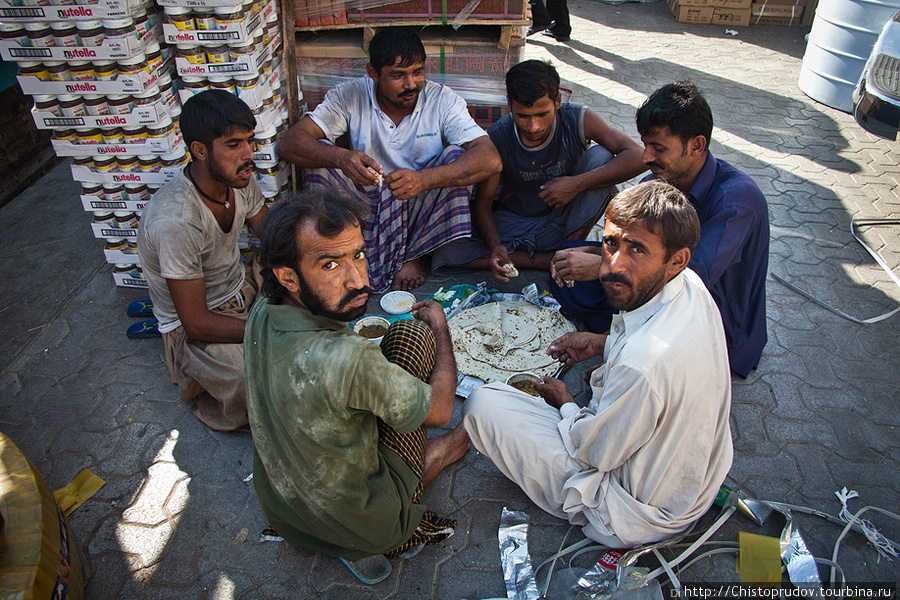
<point>636,295</point>
<point>316,305</point>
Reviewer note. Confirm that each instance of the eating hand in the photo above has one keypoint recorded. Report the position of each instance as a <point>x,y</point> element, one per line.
<point>553,391</point>
<point>577,346</point>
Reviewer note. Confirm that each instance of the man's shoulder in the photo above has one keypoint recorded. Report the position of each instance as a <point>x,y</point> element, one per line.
<point>735,184</point>
<point>172,203</point>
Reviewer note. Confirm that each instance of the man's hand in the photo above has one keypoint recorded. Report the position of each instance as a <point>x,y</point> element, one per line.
<point>553,391</point>
<point>500,257</point>
<point>405,183</point>
<point>573,264</point>
<point>431,313</point>
<point>577,346</point>
<point>355,164</point>
<point>559,191</point>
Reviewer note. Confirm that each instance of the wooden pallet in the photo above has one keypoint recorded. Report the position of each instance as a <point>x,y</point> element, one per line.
<point>503,36</point>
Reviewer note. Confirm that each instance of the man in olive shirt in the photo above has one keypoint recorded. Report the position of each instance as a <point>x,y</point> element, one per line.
<point>341,453</point>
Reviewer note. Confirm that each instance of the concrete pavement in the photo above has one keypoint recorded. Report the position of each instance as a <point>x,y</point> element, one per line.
<point>177,520</point>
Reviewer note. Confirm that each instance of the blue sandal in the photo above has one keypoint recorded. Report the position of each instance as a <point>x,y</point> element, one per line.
<point>371,569</point>
<point>140,308</point>
<point>144,329</point>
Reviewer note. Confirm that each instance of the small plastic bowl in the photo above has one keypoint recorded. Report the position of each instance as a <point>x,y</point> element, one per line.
<point>371,321</point>
<point>524,382</point>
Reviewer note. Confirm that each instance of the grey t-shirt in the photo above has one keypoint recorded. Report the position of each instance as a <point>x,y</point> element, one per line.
<point>179,238</point>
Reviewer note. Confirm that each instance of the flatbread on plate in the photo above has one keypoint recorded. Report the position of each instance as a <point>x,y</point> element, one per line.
<point>499,339</point>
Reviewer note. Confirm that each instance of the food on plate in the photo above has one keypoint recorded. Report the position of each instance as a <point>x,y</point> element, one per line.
<point>524,382</point>
<point>375,330</point>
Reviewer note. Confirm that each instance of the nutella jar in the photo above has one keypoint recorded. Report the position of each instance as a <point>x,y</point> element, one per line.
<point>174,160</point>
<point>227,17</point>
<point>264,138</point>
<point>204,19</point>
<point>112,136</point>
<point>137,193</point>
<point>125,219</point>
<point>96,106</point>
<point>113,192</point>
<point>33,69</point>
<point>81,71</point>
<point>57,71</point>
<point>65,135</point>
<point>83,161</point>
<point>160,131</point>
<point>239,51</point>
<point>149,97</point>
<point>217,54</point>
<point>64,34</point>
<point>91,135</point>
<point>149,164</point>
<point>131,246</point>
<point>194,85</point>
<point>153,52</point>
<point>47,103</point>
<point>136,134</point>
<point>91,189</point>
<point>116,245</point>
<point>105,70</point>
<point>181,17</point>
<point>39,35</point>
<point>14,34</point>
<point>222,82</point>
<point>120,105</point>
<point>141,25</point>
<point>119,29</point>
<point>71,106</point>
<point>90,33</point>
<point>104,164</point>
<point>195,55</point>
<point>127,164</point>
<point>134,66</point>
<point>166,90</point>
<point>174,114</point>
<point>128,270</point>
<point>104,218</point>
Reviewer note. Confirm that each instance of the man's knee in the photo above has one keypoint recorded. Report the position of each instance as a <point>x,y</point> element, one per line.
<point>410,344</point>
<point>595,157</point>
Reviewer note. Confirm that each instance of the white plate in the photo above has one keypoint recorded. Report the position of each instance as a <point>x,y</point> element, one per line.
<point>397,303</point>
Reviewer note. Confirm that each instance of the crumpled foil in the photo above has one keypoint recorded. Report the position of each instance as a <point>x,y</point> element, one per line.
<point>514,557</point>
<point>799,561</point>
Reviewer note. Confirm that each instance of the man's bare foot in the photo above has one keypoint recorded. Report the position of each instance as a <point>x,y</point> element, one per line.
<point>443,450</point>
<point>410,276</point>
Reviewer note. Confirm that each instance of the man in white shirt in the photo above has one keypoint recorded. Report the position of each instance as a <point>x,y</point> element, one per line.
<point>414,153</point>
<point>647,455</point>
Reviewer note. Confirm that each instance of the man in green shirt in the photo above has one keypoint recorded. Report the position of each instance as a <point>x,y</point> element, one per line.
<point>339,426</point>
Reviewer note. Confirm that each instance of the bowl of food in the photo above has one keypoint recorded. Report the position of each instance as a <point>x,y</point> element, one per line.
<point>524,382</point>
<point>372,328</point>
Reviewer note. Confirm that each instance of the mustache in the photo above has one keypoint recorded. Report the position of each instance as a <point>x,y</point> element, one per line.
<point>407,93</point>
<point>655,164</point>
<point>615,278</point>
<point>363,291</point>
<point>244,166</point>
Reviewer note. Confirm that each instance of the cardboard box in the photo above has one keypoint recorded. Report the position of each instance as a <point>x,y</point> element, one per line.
<point>108,50</point>
<point>142,115</point>
<point>768,13</point>
<point>709,15</point>
<point>118,257</point>
<point>91,203</point>
<point>164,145</point>
<point>233,34</point>
<point>105,9</point>
<point>81,173</point>
<point>123,84</point>
<point>126,280</point>
<point>733,4</point>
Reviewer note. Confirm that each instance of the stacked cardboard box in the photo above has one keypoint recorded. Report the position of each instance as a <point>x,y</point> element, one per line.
<point>315,14</point>
<point>778,12</point>
<point>732,13</point>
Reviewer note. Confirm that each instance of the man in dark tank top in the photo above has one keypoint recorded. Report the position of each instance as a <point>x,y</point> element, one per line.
<point>561,163</point>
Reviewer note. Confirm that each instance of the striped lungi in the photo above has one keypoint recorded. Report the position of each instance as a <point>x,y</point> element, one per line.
<point>397,231</point>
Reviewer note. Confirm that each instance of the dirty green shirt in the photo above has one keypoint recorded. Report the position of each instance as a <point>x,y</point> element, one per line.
<point>314,390</point>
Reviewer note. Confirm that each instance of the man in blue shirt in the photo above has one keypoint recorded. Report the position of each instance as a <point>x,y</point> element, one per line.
<point>732,257</point>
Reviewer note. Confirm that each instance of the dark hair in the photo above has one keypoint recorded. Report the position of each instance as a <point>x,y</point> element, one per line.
<point>663,209</point>
<point>332,212</point>
<point>531,80</point>
<point>393,42</point>
<point>210,114</point>
<point>681,107</point>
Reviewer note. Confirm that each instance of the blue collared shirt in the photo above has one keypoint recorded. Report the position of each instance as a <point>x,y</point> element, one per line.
<point>732,256</point>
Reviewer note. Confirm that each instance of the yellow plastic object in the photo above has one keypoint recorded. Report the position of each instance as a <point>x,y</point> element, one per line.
<point>38,554</point>
<point>79,490</point>
<point>759,560</point>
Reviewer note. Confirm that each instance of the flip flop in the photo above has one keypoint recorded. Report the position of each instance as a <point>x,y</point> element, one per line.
<point>140,308</point>
<point>411,552</point>
<point>369,570</point>
<point>144,329</point>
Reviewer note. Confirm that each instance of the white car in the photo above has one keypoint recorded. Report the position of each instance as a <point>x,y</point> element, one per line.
<point>876,100</point>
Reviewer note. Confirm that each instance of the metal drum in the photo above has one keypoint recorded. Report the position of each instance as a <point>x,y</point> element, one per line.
<point>843,34</point>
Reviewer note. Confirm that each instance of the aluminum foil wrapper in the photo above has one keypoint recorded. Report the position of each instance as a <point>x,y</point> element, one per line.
<point>799,561</point>
<point>514,557</point>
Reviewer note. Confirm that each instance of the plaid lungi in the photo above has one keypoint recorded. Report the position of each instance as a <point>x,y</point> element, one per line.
<point>411,345</point>
<point>397,231</point>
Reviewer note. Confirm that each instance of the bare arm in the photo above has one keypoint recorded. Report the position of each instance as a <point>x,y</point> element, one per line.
<point>486,223</point>
<point>443,376</point>
<point>198,321</point>
<point>625,164</point>
<point>301,146</point>
<point>479,161</point>
<point>257,222</point>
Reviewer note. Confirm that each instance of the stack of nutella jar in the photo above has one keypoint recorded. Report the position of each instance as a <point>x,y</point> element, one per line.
<point>103,82</point>
<point>235,47</point>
